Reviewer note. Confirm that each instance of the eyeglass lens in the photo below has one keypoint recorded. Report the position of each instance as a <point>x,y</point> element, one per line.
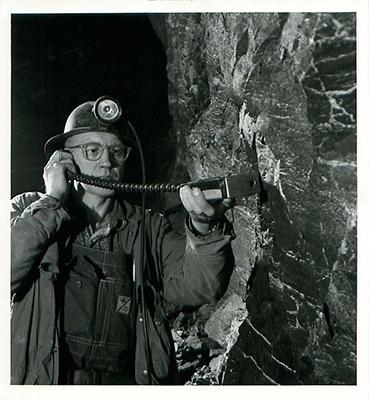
<point>93,152</point>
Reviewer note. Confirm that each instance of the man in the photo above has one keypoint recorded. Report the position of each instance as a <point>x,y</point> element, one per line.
<point>77,315</point>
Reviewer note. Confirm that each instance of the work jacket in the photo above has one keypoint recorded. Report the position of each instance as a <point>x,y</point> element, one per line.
<point>187,270</point>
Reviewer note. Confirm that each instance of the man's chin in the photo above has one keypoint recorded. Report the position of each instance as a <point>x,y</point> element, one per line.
<point>100,192</point>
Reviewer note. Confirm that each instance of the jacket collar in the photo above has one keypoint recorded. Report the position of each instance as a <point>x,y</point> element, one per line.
<point>127,211</point>
<point>121,210</point>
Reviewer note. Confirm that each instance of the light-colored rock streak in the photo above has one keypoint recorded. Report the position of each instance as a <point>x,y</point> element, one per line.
<point>283,364</point>
<point>268,378</point>
<point>258,333</point>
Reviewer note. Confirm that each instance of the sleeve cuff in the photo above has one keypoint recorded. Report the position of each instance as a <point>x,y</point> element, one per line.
<point>221,228</point>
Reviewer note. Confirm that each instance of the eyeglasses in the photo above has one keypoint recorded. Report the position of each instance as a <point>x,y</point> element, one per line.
<point>94,151</point>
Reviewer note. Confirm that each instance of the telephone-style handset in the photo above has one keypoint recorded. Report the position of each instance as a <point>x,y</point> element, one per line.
<point>233,186</point>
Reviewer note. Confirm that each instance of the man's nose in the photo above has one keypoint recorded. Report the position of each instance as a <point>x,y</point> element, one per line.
<point>106,159</point>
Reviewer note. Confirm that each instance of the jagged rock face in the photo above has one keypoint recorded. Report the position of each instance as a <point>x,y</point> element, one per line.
<point>275,92</point>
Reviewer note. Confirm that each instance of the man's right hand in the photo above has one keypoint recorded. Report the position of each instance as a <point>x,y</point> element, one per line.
<point>56,183</point>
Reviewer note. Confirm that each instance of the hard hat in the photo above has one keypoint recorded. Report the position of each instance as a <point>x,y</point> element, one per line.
<point>101,115</point>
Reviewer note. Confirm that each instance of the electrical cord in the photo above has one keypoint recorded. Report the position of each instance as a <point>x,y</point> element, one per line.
<point>125,187</point>
<point>143,258</point>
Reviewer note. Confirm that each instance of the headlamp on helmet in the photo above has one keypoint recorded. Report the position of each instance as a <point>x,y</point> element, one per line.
<point>107,110</point>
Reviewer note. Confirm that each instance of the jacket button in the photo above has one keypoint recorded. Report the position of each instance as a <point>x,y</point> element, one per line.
<point>145,372</point>
<point>140,319</point>
<point>79,284</point>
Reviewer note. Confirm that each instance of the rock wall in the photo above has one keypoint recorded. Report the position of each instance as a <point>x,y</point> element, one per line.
<point>275,92</point>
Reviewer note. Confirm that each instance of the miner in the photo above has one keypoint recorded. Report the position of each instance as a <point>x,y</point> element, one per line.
<point>82,310</point>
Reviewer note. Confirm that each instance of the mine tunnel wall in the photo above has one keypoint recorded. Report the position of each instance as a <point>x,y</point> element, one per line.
<point>275,92</point>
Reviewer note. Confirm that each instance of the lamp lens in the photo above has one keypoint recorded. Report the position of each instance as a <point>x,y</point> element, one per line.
<point>108,110</point>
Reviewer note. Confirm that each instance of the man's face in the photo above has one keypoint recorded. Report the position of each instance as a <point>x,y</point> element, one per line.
<point>105,167</point>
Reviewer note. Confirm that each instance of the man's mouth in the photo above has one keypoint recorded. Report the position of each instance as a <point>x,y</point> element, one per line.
<point>109,177</point>
<point>112,178</point>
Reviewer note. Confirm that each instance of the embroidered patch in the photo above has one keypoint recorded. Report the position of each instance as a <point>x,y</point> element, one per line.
<point>123,304</point>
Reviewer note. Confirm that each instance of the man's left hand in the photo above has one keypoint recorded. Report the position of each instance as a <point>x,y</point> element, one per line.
<point>203,214</point>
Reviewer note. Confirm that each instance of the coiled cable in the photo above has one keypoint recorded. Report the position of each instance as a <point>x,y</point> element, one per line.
<point>125,187</point>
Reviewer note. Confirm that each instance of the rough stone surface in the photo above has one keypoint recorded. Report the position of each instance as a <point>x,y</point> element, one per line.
<point>274,92</point>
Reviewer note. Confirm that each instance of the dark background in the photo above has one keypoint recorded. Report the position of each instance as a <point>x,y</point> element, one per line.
<point>60,61</point>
